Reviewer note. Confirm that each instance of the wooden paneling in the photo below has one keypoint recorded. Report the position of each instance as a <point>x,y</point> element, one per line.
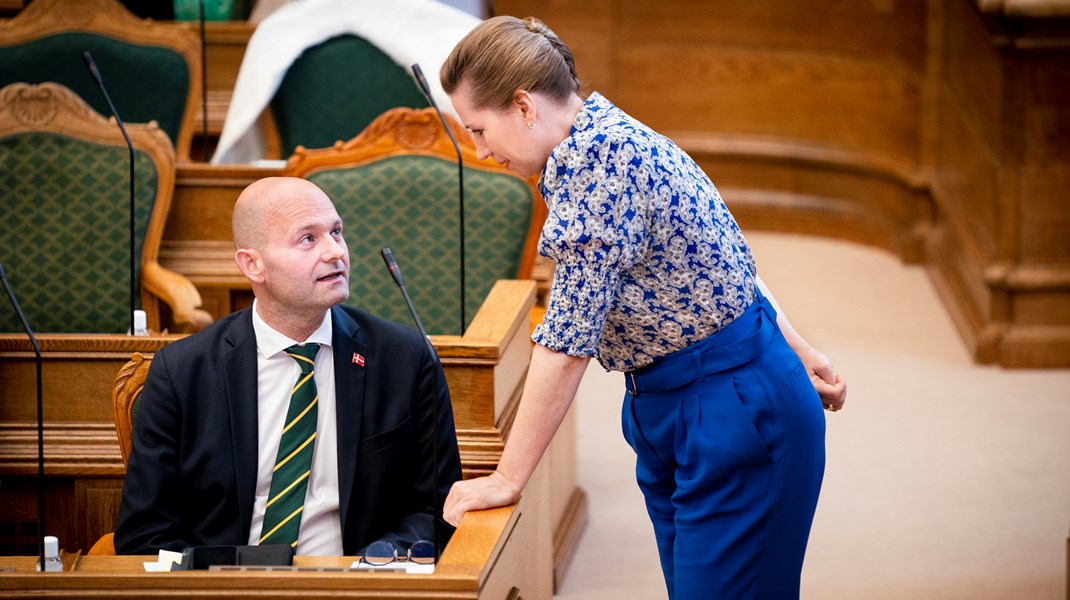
<point>225,43</point>
<point>858,28</point>
<point>824,99</point>
<point>1045,212</point>
<point>96,508</point>
<point>786,186</point>
<point>78,371</point>
<point>204,199</point>
<point>766,68</point>
<point>935,129</point>
<point>967,181</point>
<point>1001,257</point>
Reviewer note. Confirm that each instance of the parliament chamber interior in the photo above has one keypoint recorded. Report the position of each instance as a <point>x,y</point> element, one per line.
<point>936,131</point>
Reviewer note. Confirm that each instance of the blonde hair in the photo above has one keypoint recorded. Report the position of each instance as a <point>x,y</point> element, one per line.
<point>505,54</point>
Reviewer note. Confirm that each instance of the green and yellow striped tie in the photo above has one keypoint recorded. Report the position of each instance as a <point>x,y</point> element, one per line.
<point>289,479</point>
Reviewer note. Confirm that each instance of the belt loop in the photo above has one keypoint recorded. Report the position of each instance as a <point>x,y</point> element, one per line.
<point>698,365</point>
<point>765,304</point>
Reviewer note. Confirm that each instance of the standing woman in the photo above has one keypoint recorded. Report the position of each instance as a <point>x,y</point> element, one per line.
<point>653,278</point>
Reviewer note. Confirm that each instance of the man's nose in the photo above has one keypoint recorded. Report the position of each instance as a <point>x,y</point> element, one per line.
<point>334,249</point>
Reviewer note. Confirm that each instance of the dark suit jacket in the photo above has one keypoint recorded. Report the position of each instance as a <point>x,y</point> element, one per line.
<point>191,477</point>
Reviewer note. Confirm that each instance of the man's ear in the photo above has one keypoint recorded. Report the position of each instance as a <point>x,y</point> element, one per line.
<point>251,264</point>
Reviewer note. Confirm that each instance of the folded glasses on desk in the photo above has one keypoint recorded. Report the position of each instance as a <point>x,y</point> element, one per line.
<point>380,554</point>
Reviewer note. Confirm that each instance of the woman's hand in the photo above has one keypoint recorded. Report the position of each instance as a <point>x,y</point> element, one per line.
<point>548,392</point>
<point>478,494</point>
<point>829,384</point>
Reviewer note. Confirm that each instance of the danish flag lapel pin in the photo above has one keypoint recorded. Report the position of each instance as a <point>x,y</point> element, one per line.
<point>358,359</point>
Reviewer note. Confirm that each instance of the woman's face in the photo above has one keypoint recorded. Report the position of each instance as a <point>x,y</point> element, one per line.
<point>503,134</point>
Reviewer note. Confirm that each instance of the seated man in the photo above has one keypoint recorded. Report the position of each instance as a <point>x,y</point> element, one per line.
<point>229,450</point>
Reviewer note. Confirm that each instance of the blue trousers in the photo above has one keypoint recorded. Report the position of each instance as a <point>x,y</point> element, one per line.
<point>729,436</point>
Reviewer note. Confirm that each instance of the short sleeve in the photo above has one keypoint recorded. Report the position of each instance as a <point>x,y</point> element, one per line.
<point>596,228</point>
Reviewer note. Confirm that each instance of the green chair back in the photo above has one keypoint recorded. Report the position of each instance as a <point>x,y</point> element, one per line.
<point>64,231</point>
<point>145,82</point>
<point>335,89</point>
<point>409,203</point>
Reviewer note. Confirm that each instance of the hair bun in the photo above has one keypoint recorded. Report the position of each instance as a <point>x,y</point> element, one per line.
<point>534,25</point>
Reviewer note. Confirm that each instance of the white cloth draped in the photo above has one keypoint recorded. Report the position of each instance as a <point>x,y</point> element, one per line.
<point>408,31</point>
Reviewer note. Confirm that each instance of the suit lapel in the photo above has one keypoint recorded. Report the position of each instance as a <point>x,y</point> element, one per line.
<point>349,375</point>
<point>240,377</point>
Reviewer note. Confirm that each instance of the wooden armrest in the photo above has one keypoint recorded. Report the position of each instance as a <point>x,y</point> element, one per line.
<point>179,293</point>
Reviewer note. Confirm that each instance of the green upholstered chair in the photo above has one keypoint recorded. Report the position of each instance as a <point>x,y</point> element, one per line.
<point>395,185</point>
<point>152,70</point>
<point>64,216</point>
<point>335,89</point>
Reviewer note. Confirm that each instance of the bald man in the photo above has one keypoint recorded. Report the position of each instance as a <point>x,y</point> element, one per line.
<point>206,440</point>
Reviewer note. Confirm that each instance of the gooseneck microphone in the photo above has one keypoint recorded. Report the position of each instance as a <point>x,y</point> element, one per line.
<point>204,87</point>
<point>40,422</point>
<point>426,89</point>
<point>395,272</point>
<point>92,66</point>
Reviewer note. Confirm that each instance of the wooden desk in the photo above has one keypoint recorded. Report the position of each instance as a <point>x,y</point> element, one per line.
<point>492,555</point>
<point>485,370</point>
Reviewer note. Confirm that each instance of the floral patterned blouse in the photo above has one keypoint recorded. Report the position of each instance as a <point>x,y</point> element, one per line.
<point>649,259</point>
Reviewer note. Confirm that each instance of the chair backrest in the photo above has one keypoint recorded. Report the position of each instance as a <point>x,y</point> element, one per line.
<point>152,70</point>
<point>396,185</point>
<point>337,88</point>
<point>65,216</point>
<point>126,399</point>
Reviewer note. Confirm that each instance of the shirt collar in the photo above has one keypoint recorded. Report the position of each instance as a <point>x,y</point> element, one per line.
<point>594,107</point>
<point>270,342</point>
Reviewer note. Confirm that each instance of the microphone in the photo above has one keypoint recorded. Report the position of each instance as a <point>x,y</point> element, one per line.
<point>92,66</point>
<point>395,272</point>
<point>426,89</point>
<point>204,88</point>
<point>40,422</point>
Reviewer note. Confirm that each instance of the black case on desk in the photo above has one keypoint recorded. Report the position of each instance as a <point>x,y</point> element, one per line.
<point>203,557</point>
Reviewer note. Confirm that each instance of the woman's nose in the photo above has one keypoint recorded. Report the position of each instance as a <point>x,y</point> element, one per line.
<point>482,152</point>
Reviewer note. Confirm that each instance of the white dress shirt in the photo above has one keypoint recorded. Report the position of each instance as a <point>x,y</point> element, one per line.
<point>321,528</point>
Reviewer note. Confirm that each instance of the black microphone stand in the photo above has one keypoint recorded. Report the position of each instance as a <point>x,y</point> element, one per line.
<point>40,423</point>
<point>204,88</point>
<point>426,89</point>
<point>92,66</point>
<point>436,516</point>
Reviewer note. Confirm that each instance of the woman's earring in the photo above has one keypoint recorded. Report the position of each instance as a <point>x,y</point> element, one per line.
<point>531,125</point>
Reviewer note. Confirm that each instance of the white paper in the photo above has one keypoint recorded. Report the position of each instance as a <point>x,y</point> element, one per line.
<point>164,562</point>
<point>410,568</point>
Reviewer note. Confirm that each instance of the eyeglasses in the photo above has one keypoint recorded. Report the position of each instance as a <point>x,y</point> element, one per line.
<point>381,553</point>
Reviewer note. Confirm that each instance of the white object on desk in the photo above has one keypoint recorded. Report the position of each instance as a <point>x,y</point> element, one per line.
<point>164,562</point>
<point>407,567</point>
